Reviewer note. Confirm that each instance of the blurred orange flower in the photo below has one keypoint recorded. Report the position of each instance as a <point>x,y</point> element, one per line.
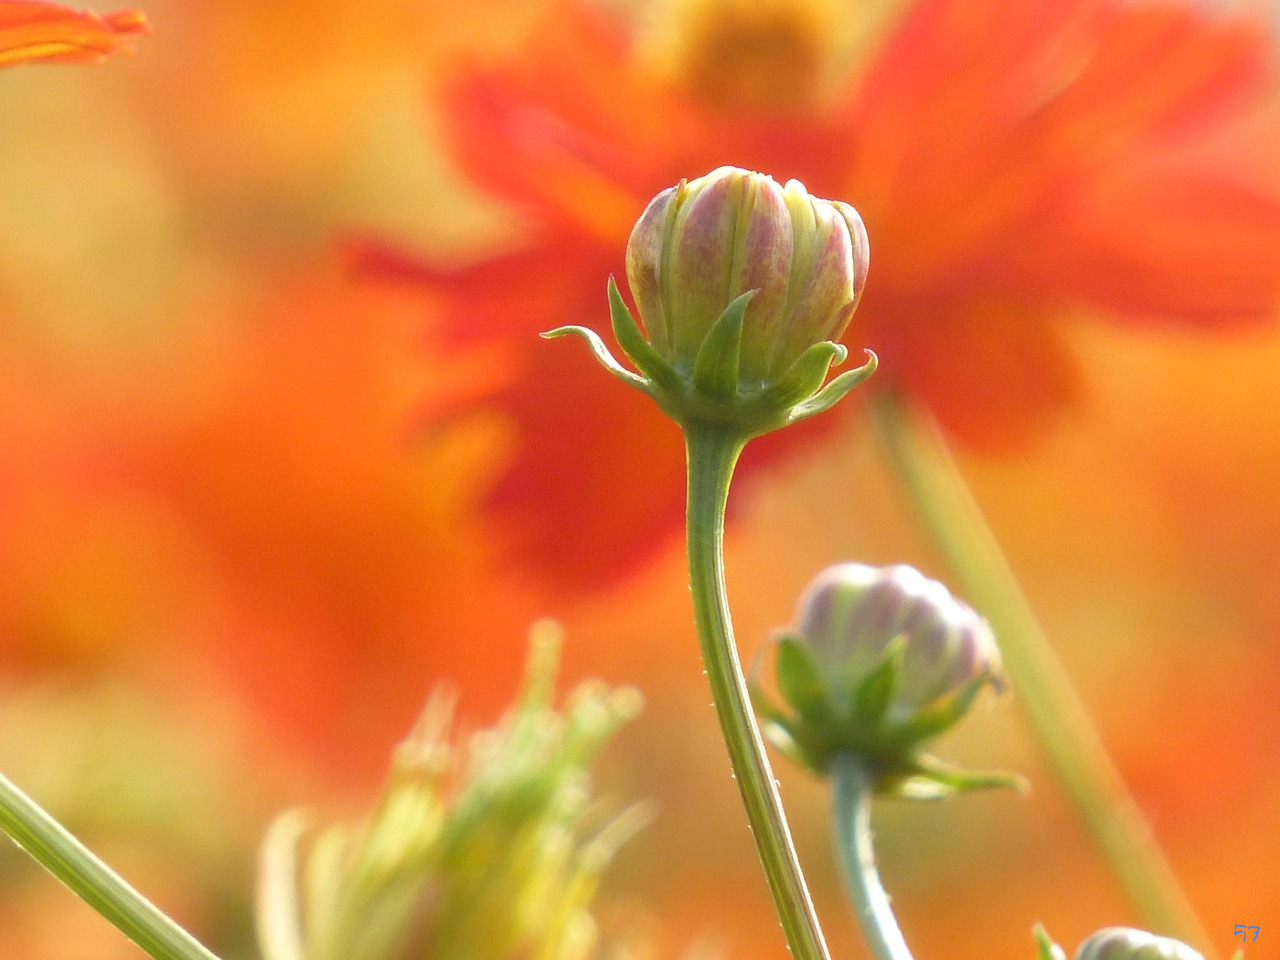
<point>1014,162</point>
<point>32,30</point>
<point>252,514</point>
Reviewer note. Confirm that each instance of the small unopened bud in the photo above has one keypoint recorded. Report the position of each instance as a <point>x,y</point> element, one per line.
<point>702,244</point>
<point>851,613</point>
<point>1125,943</point>
<point>743,288</point>
<point>880,661</point>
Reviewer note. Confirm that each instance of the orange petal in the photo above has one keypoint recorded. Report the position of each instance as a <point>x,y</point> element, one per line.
<point>996,372</point>
<point>1164,70</point>
<point>31,30</point>
<point>1190,248</point>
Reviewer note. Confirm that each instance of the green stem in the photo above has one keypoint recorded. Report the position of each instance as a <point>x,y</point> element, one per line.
<point>1061,723</point>
<point>851,784</point>
<point>712,454</point>
<point>49,843</point>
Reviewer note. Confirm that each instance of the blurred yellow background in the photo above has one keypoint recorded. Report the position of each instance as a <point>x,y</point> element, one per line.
<point>245,491</point>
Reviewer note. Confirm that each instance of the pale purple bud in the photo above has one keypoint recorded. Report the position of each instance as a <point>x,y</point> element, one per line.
<point>851,612</point>
<point>1125,943</point>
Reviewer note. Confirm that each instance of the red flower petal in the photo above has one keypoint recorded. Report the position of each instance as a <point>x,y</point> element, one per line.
<point>1013,161</point>
<point>31,30</point>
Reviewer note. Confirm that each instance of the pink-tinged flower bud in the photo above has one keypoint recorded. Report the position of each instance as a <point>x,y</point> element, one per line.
<point>743,288</point>
<point>1124,943</point>
<point>702,244</point>
<point>851,613</point>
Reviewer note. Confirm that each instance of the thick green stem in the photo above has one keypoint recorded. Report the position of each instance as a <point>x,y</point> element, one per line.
<point>49,843</point>
<point>712,454</point>
<point>851,784</point>
<point>1059,719</point>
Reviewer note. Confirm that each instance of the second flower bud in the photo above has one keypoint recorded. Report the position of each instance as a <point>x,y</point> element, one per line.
<point>881,660</point>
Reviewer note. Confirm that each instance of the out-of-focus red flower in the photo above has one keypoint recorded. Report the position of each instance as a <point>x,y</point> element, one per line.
<point>254,513</point>
<point>1014,162</point>
<point>32,30</point>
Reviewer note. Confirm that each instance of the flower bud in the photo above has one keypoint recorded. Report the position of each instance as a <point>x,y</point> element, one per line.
<point>880,661</point>
<point>743,287</point>
<point>851,612</point>
<point>700,245</point>
<point>1124,943</point>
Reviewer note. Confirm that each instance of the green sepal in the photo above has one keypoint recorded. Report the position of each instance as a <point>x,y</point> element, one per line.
<point>833,392</point>
<point>925,777</point>
<point>633,343</point>
<point>761,702</point>
<point>715,368</point>
<point>932,720</point>
<point>602,355</point>
<point>805,376</point>
<point>1048,950</point>
<point>800,680</point>
<point>783,731</point>
<point>777,730</point>
<point>877,689</point>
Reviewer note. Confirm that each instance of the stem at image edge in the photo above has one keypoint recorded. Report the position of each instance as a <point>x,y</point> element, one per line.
<point>1061,723</point>
<point>712,454</point>
<point>851,783</point>
<point>49,843</point>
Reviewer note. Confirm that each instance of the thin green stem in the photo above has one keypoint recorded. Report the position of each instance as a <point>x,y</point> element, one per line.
<point>712,454</point>
<point>919,454</point>
<point>49,843</point>
<point>851,784</point>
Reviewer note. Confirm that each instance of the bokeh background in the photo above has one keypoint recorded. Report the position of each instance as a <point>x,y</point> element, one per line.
<point>279,451</point>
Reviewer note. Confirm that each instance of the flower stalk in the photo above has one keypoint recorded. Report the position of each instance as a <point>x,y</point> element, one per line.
<point>55,849</point>
<point>743,286</point>
<point>852,787</point>
<point>713,451</point>
<point>918,454</point>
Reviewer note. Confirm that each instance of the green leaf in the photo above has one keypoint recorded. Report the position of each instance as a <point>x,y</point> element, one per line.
<point>875,691</point>
<point>834,392</point>
<point>641,352</point>
<point>937,717</point>
<point>602,355</point>
<point>715,368</point>
<point>946,780</point>
<point>800,680</point>
<point>804,377</point>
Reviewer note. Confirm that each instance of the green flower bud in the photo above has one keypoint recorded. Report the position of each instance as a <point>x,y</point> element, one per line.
<point>880,661</point>
<point>743,287</point>
<point>1124,943</point>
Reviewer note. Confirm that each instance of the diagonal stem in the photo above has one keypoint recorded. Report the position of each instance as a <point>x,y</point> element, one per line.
<point>919,455</point>
<point>49,843</point>
<point>712,454</point>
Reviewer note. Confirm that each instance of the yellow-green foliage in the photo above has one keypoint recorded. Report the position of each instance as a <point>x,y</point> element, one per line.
<point>482,847</point>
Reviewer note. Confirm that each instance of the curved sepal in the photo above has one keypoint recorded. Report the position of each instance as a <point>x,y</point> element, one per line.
<point>805,377</point>
<point>834,392</point>
<point>932,720</point>
<point>715,368</point>
<point>633,343</point>
<point>928,778</point>
<point>602,355</point>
